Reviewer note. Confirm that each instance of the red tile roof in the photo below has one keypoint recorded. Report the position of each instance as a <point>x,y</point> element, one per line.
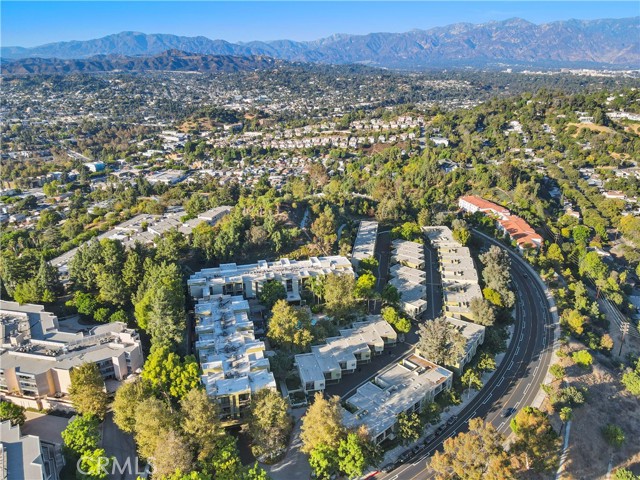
<point>483,204</point>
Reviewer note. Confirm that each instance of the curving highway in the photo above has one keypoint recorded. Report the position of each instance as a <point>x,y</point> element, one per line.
<point>516,381</point>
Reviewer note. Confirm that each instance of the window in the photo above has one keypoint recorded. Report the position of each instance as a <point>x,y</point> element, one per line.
<point>289,285</point>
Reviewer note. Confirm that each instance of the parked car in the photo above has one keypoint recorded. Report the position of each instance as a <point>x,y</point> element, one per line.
<point>440,429</point>
<point>406,455</point>
<point>430,438</point>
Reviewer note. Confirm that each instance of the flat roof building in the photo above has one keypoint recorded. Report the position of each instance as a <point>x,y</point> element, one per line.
<point>340,355</point>
<point>38,355</point>
<point>233,363</point>
<point>404,388</point>
<point>473,333</point>
<point>365,243</point>
<point>23,457</point>
<point>247,280</point>
<point>408,276</point>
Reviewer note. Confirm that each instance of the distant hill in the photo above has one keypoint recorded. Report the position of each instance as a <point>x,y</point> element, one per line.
<point>172,60</point>
<point>614,42</point>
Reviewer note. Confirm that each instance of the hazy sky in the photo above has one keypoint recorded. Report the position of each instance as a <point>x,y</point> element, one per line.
<point>29,23</point>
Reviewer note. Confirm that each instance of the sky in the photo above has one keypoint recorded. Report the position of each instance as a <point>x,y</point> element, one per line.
<point>31,23</point>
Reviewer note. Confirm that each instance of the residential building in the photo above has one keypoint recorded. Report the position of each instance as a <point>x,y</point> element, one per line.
<point>516,228</point>
<point>408,276</point>
<point>341,355</point>
<point>365,243</point>
<point>95,166</point>
<point>38,355</point>
<point>247,280</point>
<point>457,271</point>
<point>233,363</point>
<point>24,457</point>
<point>404,388</point>
<point>474,335</point>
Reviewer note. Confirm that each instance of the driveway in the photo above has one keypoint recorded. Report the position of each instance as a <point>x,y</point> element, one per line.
<point>120,445</point>
<point>47,427</point>
<point>295,463</point>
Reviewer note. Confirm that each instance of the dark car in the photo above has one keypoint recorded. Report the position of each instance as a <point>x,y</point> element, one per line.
<point>416,449</point>
<point>387,468</point>
<point>452,419</point>
<point>507,412</point>
<point>440,429</point>
<point>430,438</point>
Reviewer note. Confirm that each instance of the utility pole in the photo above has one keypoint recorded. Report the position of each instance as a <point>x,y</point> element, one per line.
<point>624,328</point>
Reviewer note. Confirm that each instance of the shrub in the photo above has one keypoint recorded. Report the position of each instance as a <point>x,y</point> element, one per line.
<point>582,358</point>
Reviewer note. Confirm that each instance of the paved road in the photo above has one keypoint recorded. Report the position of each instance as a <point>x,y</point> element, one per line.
<point>517,380</point>
<point>122,446</point>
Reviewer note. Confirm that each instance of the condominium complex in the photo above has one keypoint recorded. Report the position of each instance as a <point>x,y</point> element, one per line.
<point>457,271</point>
<point>341,355</point>
<point>247,280</point>
<point>233,363</point>
<point>409,277</point>
<point>365,243</point>
<point>517,229</point>
<point>404,388</point>
<point>38,355</point>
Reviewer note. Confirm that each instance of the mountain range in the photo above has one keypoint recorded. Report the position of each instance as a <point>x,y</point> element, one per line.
<point>605,42</point>
<point>170,60</point>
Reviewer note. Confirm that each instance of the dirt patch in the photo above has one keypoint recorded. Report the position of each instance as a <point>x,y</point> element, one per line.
<point>607,403</point>
<point>590,126</point>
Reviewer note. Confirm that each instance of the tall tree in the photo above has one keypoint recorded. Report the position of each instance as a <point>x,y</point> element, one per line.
<point>271,292</point>
<point>269,422</point>
<point>81,435</point>
<point>482,311</point>
<point>440,342</point>
<point>169,374</point>
<point>339,295</point>
<point>322,424</point>
<point>87,390</point>
<point>536,441</point>
<point>289,327</point>
<point>200,423</point>
<point>152,423</point>
<point>353,455</point>
<point>127,399</point>
<point>409,427</point>
<point>497,274</point>
<point>474,455</point>
<point>172,454</point>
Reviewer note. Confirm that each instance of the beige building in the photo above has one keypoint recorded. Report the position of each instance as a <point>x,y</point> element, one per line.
<point>37,355</point>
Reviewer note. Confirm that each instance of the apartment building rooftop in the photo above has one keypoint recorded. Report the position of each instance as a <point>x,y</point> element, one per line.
<point>377,404</point>
<point>20,455</point>
<point>365,242</point>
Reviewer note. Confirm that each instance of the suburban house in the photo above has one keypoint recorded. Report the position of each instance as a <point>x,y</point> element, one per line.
<point>38,355</point>
<point>404,388</point>
<point>247,280</point>
<point>233,363</point>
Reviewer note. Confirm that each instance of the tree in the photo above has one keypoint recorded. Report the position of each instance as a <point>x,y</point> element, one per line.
<point>593,267</point>
<point>624,474</point>
<point>153,421</point>
<point>172,454</point>
<point>440,342</point>
<point>323,461</point>
<point>631,380</point>
<point>393,318</point>
<point>565,414</point>
<point>482,312</point>
<point>557,371</point>
<point>171,375</point>
<point>536,441</point>
<point>166,323</point>
<point>339,295</point>
<point>614,435</point>
<point>95,465</point>
<point>87,390</point>
<point>365,286</point>
<point>322,424</point>
<point>390,294</point>
<point>271,292</point>
<point>582,358</point>
<point>409,427</point>
<point>574,320</point>
<point>475,455</point>
<point>471,379</point>
<point>352,455</point>
<point>497,274</point>
<point>81,435</point>
<point>126,401</point>
<point>269,423</point>
<point>289,327</point>
<point>200,423</point>
<point>554,254</point>
<point>324,229</point>
<point>224,463</point>
<point>460,231</point>
<point>171,247</point>
<point>11,412</point>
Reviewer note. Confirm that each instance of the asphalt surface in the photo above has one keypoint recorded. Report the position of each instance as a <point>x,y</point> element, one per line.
<point>516,381</point>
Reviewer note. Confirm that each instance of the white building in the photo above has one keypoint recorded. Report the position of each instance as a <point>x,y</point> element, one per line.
<point>365,243</point>
<point>474,335</point>
<point>247,280</point>
<point>233,363</point>
<point>24,457</point>
<point>408,276</point>
<point>404,388</point>
<point>38,355</point>
<point>341,355</point>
